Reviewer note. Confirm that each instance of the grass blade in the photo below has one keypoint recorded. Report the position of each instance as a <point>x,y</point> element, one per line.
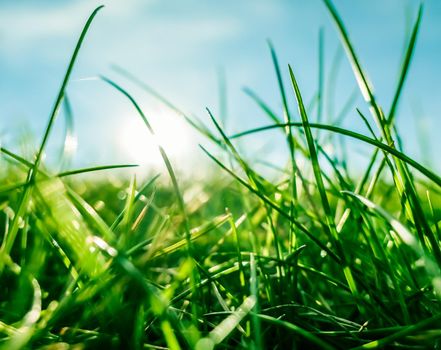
<point>27,193</point>
<point>287,119</point>
<point>330,224</point>
<point>421,168</point>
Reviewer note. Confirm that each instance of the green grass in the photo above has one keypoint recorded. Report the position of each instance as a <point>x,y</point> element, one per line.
<point>315,258</point>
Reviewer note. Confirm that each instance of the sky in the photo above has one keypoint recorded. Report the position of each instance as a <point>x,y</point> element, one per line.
<point>186,50</point>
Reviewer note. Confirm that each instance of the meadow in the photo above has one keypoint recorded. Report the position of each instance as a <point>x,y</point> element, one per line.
<point>318,258</point>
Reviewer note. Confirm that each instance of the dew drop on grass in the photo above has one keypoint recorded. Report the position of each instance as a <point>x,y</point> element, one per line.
<point>323,253</point>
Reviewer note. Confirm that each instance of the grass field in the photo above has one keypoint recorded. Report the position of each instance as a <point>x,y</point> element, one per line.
<point>315,259</point>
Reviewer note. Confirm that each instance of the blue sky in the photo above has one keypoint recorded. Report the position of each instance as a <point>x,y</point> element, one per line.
<point>179,47</point>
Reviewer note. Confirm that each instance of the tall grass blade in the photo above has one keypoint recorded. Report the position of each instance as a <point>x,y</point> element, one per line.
<point>27,193</point>
<point>287,119</point>
<point>330,224</point>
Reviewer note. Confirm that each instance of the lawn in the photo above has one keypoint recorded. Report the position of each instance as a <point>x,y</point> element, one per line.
<point>317,257</point>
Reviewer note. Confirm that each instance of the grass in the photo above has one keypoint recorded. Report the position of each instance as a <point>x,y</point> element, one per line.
<point>317,258</point>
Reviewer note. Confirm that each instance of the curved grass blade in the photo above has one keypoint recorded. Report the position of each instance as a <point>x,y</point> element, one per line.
<point>421,168</point>
<point>66,173</point>
<point>62,90</point>
<point>163,155</point>
<point>197,125</point>
<point>273,116</point>
<point>95,168</point>
<point>405,331</point>
<point>298,330</point>
<point>27,193</point>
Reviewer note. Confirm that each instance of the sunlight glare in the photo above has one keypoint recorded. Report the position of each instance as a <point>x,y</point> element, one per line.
<point>141,147</point>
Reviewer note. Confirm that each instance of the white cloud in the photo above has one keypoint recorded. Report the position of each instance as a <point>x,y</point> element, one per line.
<point>35,23</point>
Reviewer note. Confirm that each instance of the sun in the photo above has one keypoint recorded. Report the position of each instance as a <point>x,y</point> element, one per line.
<point>141,147</point>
